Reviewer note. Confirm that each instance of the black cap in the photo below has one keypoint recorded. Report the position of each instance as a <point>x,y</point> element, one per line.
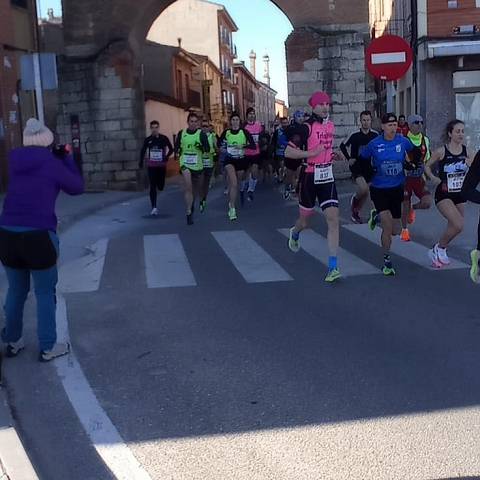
<point>388,118</point>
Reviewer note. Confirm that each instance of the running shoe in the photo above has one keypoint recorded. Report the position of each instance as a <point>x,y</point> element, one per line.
<point>333,275</point>
<point>356,218</point>
<point>388,271</point>
<point>433,256</point>
<point>474,255</point>
<point>232,214</point>
<point>442,255</point>
<point>354,208</point>
<point>203,206</point>
<point>242,198</point>
<point>190,219</point>
<point>405,235</point>
<point>14,348</point>
<point>286,193</point>
<point>411,216</point>
<point>58,350</point>
<point>225,191</point>
<point>154,212</point>
<point>294,243</point>
<point>250,196</point>
<point>372,221</point>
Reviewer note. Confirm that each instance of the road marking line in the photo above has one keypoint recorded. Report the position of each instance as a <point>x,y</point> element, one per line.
<point>317,246</point>
<point>412,251</point>
<point>249,258</point>
<point>85,273</point>
<point>166,264</point>
<point>104,436</point>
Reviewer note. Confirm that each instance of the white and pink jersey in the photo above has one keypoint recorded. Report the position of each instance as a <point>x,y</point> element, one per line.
<point>254,129</point>
<point>320,134</point>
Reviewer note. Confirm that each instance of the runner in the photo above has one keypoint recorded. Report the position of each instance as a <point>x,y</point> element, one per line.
<point>470,192</point>
<point>415,181</point>
<point>156,150</point>
<point>453,160</point>
<point>255,129</point>
<point>295,132</point>
<point>388,153</point>
<point>279,144</point>
<point>266,164</point>
<point>361,168</point>
<point>208,163</point>
<point>403,127</point>
<point>236,139</point>
<point>191,144</point>
<point>317,181</point>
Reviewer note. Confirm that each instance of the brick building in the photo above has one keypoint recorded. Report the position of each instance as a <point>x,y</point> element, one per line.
<point>246,88</point>
<point>17,37</point>
<point>444,81</point>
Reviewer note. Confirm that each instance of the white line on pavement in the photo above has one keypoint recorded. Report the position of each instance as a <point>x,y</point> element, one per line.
<point>412,251</point>
<point>166,264</point>
<point>84,274</point>
<point>105,437</point>
<point>249,258</point>
<point>317,246</point>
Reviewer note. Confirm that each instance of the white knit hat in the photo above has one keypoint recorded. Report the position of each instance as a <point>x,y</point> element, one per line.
<point>36,134</point>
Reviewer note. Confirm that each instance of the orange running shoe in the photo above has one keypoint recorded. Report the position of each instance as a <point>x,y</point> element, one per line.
<point>411,216</point>
<point>405,236</point>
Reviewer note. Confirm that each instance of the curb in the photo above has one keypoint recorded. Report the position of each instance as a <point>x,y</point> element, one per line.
<point>15,463</point>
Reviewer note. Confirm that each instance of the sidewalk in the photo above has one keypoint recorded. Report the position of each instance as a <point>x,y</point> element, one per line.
<point>14,461</point>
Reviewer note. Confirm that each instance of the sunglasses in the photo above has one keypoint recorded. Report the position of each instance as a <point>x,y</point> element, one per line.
<point>418,122</point>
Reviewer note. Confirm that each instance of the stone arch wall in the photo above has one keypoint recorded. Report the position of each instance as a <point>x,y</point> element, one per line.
<point>101,80</point>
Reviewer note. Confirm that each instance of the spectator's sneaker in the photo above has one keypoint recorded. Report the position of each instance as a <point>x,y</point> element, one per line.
<point>14,348</point>
<point>405,235</point>
<point>58,350</point>
<point>474,255</point>
<point>154,212</point>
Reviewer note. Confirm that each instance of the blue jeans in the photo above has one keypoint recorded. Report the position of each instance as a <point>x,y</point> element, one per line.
<point>45,282</point>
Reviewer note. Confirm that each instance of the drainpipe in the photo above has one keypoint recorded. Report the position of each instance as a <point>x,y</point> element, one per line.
<point>414,45</point>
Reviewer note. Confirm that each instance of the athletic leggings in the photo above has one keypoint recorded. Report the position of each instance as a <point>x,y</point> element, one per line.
<point>156,177</point>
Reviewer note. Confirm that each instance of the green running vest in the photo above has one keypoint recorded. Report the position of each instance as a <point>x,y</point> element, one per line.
<point>209,157</point>
<point>236,143</point>
<point>191,151</point>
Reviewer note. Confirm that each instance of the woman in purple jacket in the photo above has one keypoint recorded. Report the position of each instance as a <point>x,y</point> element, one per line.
<point>28,240</point>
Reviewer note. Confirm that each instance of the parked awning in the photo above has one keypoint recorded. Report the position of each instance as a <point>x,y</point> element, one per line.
<point>453,48</point>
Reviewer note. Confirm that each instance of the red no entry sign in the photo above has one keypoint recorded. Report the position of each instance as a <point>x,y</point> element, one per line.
<point>389,57</point>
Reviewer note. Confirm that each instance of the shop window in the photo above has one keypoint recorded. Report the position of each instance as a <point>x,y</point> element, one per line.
<point>468,110</point>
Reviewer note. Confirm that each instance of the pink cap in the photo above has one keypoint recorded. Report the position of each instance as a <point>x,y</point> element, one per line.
<point>319,98</point>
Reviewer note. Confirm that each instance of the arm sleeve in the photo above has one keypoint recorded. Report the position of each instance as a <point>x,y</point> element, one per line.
<point>344,147</point>
<point>168,144</point>
<point>205,143</point>
<point>469,189</point>
<point>143,152</point>
<point>69,178</point>
<point>178,141</point>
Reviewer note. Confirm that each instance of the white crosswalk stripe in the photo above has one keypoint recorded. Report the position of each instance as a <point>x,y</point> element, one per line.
<point>166,262</point>
<point>251,260</point>
<point>411,251</point>
<point>317,246</point>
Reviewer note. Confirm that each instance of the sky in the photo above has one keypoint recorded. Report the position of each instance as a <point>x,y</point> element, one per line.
<point>263,28</point>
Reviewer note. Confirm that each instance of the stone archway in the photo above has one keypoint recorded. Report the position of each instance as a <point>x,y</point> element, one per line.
<point>101,83</point>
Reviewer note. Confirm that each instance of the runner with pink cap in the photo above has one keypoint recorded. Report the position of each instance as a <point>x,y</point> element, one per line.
<point>317,182</point>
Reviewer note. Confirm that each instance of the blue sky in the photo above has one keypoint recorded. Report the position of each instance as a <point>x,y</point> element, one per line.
<point>262,27</point>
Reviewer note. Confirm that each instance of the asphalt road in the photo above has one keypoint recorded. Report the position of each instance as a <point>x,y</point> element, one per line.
<point>251,367</point>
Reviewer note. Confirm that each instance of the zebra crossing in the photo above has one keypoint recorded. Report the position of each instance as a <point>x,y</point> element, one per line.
<point>167,263</point>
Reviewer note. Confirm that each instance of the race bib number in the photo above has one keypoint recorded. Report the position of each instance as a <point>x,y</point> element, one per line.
<point>392,169</point>
<point>190,159</point>
<point>207,162</point>
<point>156,155</point>
<point>255,138</point>
<point>455,181</point>
<point>323,174</point>
<point>235,152</point>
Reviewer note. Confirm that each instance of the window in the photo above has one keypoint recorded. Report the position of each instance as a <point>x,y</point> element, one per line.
<point>187,89</point>
<point>452,4</point>
<point>179,85</point>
